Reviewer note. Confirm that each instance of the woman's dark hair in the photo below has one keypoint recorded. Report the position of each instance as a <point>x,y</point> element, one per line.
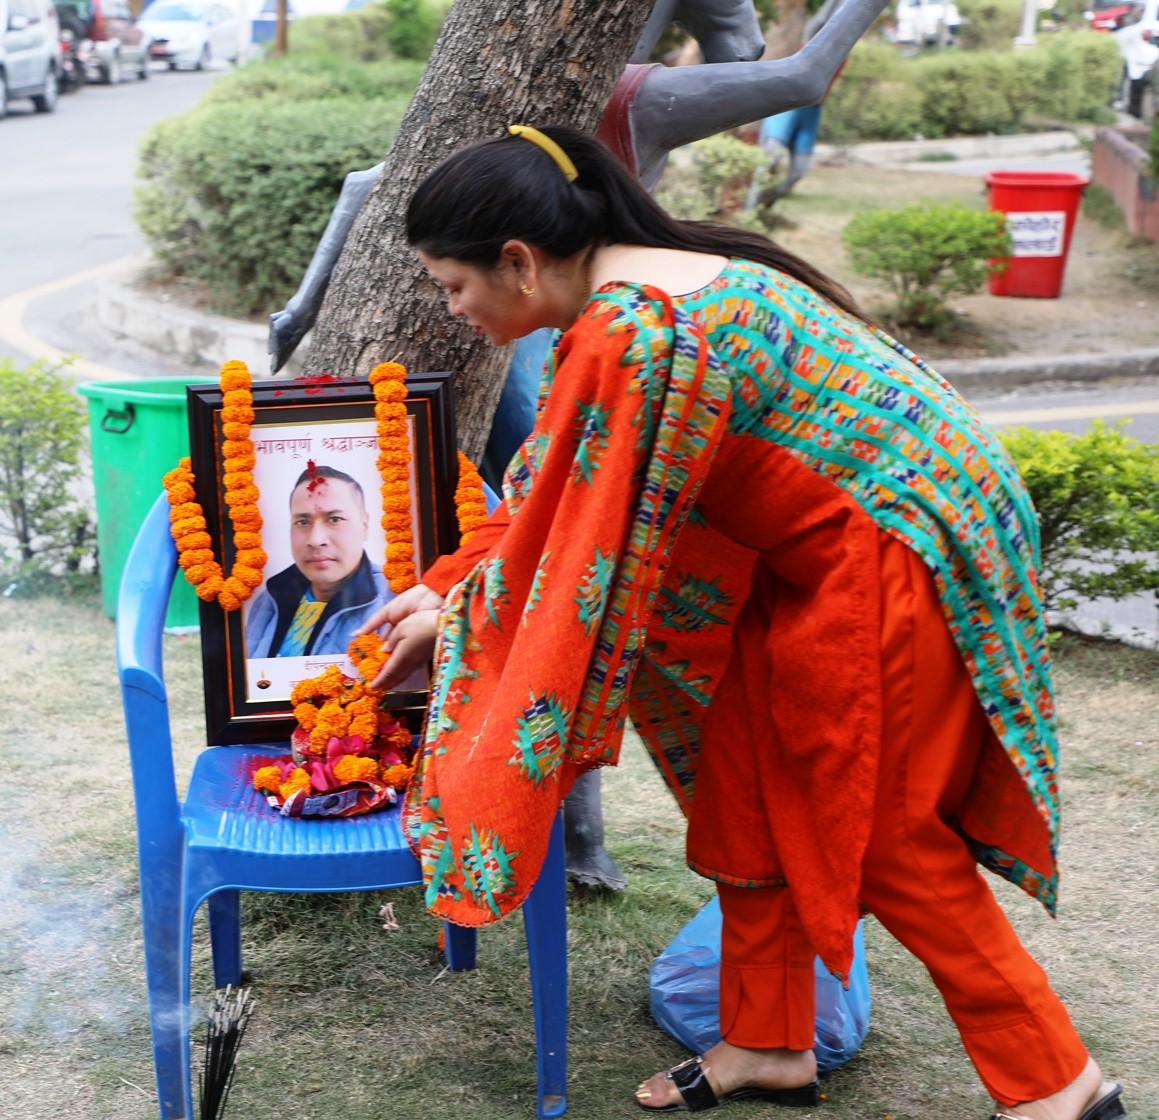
<point>498,190</point>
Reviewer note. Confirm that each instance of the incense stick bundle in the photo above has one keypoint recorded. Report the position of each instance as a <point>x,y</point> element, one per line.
<point>224,1030</point>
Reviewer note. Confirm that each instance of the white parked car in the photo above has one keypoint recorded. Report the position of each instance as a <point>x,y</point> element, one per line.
<point>192,32</point>
<point>29,53</point>
<point>923,23</point>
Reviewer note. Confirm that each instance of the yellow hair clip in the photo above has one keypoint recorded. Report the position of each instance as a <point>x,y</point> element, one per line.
<point>546,144</point>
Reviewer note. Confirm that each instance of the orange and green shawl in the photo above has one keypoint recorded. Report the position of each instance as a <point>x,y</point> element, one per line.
<point>543,640</point>
<point>538,644</point>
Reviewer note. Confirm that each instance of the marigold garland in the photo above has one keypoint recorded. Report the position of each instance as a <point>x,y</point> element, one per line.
<point>187,523</point>
<point>190,530</point>
<point>470,503</point>
<point>389,381</point>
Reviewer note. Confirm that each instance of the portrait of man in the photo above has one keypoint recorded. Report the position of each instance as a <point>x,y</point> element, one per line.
<point>313,606</point>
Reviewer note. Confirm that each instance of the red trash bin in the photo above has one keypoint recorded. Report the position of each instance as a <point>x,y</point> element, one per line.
<point>1040,209</point>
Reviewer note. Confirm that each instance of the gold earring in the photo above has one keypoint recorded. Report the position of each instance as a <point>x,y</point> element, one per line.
<point>528,292</point>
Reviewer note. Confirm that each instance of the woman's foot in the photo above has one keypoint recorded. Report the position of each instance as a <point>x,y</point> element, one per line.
<point>1074,1102</point>
<point>729,1068</point>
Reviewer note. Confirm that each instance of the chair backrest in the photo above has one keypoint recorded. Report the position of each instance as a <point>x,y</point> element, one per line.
<point>144,595</point>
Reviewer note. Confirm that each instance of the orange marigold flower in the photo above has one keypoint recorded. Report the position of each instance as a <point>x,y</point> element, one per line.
<point>193,556</point>
<point>187,525</point>
<point>250,577</point>
<point>388,411</point>
<point>354,768</point>
<point>199,573</point>
<point>388,371</point>
<point>235,431</point>
<point>298,779</point>
<point>306,715</point>
<point>237,414</point>
<point>251,557</point>
<point>180,492</point>
<point>209,589</point>
<point>234,375</point>
<point>398,776</point>
<point>268,779</point>
<point>234,477</point>
<point>242,496</point>
<point>198,539</point>
<point>236,451</point>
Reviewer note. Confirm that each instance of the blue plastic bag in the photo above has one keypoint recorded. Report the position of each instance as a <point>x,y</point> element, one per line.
<point>685,992</point>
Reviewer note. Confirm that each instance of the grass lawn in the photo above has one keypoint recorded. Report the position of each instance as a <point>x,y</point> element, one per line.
<point>355,1023</point>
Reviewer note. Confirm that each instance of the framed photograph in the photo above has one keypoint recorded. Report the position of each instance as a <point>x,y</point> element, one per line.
<point>316,447</point>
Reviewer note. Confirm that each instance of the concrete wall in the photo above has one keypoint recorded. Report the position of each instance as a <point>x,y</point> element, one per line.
<point>1121,163</point>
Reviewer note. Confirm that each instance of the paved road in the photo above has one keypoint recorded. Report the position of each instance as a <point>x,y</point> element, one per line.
<point>66,181</point>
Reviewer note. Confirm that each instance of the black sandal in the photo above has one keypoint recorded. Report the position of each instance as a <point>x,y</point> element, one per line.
<point>1108,1107</point>
<point>689,1077</point>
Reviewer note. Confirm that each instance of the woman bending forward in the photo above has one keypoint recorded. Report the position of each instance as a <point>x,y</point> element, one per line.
<point>805,569</point>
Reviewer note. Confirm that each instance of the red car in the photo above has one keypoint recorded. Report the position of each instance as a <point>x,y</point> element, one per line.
<point>118,44</point>
<point>1110,15</point>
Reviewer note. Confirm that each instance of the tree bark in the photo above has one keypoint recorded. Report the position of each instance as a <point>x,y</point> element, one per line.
<point>785,37</point>
<point>495,63</point>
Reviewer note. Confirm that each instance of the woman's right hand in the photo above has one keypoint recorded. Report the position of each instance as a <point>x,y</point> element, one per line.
<point>411,644</point>
<point>417,598</point>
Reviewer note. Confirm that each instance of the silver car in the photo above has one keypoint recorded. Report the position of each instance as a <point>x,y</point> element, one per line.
<point>29,53</point>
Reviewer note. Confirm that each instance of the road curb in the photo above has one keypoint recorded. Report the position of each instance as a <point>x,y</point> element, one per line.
<point>905,153</point>
<point>194,336</point>
<point>198,336</point>
<point>990,374</point>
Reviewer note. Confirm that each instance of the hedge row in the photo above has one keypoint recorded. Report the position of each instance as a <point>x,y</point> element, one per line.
<point>308,77</point>
<point>1069,76</point>
<point>237,194</point>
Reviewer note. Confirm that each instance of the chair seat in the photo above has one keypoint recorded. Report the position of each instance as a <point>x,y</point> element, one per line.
<point>229,824</point>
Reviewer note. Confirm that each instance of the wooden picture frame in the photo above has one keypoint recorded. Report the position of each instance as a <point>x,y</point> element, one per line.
<point>301,427</point>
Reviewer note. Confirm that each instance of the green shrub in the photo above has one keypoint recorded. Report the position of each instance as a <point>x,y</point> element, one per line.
<point>926,252</point>
<point>969,92</point>
<point>989,24</point>
<point>302,77</point>
<point>1097,498</point>
<point>725,167</point>
<point>238,194</point>
<point>414,26</point>
<point>361,35</point>
<point>45,528</point>
<point>715,183</point>
<point>1068,77</point>
<point>873,99</point>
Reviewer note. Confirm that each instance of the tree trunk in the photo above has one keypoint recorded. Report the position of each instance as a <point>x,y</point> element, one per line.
<point>786,36</point>
<point>496,63</point>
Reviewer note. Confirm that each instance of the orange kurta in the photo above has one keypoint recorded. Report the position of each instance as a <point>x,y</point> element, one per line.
<point>662,490</point>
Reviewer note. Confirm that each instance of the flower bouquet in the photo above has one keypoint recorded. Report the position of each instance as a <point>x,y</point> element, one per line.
<point>348,756</point>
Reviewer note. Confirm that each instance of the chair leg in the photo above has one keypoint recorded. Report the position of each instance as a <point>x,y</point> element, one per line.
<point>545,919</point>
<point>167,980</point>
<point>224,910</point>
<point>459,946</point>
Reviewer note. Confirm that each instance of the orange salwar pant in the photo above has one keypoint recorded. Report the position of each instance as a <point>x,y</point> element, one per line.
<point>918,877</point>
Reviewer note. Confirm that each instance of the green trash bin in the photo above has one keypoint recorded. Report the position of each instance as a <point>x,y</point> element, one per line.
<point>140,428</point>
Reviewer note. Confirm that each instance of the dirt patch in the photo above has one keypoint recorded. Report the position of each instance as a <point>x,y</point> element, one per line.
<point>1110,296</point>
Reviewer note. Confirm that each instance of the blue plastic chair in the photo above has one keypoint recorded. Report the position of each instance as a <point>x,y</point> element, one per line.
<point>223,839</point>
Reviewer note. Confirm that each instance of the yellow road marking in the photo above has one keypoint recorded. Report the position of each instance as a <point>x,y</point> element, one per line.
<point>13,308</point>
<point>1072,412</point>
